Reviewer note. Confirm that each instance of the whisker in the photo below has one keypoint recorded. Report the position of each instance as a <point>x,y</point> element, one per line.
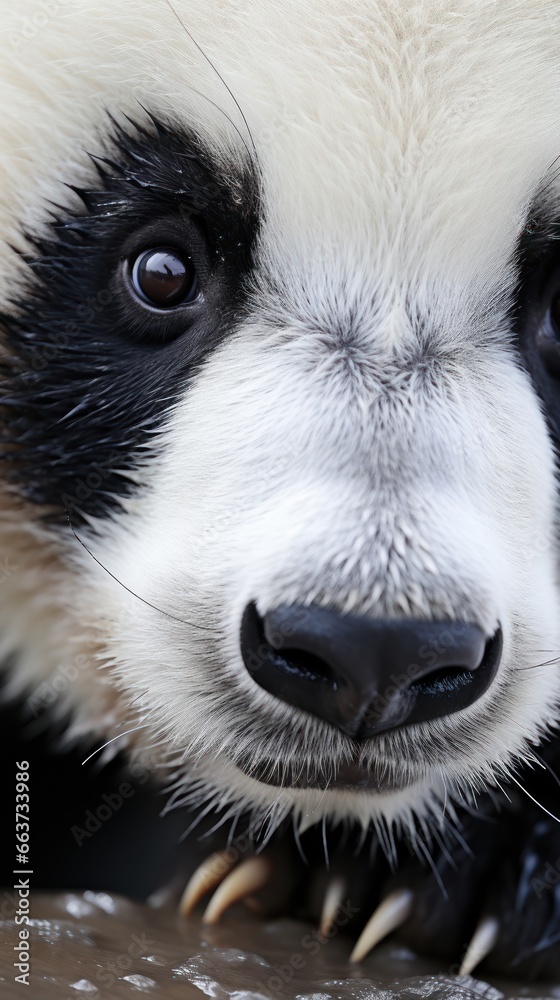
<point>215,105</point>
<point>217,72</point>
<point>112,740</point>
<point>545,663</point>
<point>203,628</point>
<point>537,803</point>
<point>136,699</point>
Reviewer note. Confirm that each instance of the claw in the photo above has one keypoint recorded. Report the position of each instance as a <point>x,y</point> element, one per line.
<point>243,881</point>
<point>389,915</point>
<point>481,944</point>
<point>333,899</point>
<point>206,877</point>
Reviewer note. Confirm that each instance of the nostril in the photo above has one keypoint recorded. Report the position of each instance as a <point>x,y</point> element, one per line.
<point>450,688</point>
<point>444,679</point>
<point>275,649</point>
<point>303,663</point>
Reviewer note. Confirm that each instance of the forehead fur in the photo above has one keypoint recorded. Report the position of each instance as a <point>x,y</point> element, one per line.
<point>418,133</point>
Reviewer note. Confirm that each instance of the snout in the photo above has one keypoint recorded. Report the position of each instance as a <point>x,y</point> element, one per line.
<point>363,675</point>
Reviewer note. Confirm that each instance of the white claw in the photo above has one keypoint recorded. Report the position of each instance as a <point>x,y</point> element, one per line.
<point>389,915</point>
<point>206,877</point>
<point>333,899</point>
<point>482,943</point>
<point>243,881</point>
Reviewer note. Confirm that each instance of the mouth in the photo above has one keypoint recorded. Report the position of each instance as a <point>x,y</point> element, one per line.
<point>349,776</point>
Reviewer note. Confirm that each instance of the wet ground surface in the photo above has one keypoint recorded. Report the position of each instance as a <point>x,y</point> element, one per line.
<point>87,946</point>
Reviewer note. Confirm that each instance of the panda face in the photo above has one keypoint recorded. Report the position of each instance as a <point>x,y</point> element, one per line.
<point>285,362</point>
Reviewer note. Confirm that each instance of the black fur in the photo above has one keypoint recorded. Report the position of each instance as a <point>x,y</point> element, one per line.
<point>539,282</point>
<point>92,373</point>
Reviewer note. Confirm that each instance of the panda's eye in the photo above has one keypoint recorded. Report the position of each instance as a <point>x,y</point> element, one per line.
<point>164,277</point>
<point>548,337</point>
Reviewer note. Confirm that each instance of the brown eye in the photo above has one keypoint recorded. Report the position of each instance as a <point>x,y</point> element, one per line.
<point>164,278</point>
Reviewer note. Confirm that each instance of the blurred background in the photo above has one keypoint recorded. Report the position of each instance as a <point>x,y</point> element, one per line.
<point>134,850</point>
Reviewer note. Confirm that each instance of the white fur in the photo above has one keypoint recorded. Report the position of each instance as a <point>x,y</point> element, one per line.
<point>400,146</point>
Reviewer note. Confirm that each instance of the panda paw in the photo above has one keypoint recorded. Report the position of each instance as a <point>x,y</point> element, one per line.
<point>492,895</point>
<point>492,899</point>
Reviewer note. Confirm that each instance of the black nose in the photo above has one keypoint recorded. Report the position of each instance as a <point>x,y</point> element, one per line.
<point>363,675</point>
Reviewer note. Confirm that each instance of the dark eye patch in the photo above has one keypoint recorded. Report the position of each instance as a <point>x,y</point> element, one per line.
<point>93,369</point>
<point>547,336</point>
<point>536,311</point>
